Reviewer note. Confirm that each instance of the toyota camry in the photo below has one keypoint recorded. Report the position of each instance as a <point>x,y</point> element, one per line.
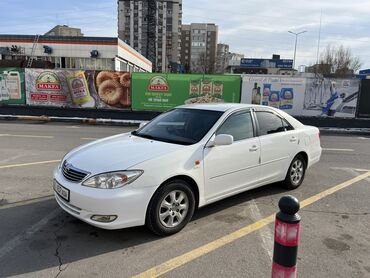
<point>186,158</point>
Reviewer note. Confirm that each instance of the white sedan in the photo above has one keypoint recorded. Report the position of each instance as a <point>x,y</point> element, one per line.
<point>184,159</point>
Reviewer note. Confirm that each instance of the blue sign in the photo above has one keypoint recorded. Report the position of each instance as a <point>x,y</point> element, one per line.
<point>266,63</point>
<point>366,71</point>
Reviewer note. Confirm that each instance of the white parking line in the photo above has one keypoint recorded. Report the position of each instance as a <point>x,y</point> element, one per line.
<point>27,136</point>
<point>265,232</point>
<point>89,139</point>
<point>16,241</point>
<point>364,138</point>
<point>338,150</point>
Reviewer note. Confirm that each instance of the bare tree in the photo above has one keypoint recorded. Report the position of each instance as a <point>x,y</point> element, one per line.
<point>203,64</point>
<point>338,61</point>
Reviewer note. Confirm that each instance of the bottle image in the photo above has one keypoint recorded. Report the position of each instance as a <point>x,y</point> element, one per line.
<point>266,94</point>
<point>78,88</point>
<point>254,92</point>
<point>13,83</point>
<point>4,92</point>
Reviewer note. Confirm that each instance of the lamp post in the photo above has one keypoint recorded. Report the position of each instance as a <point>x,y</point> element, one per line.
<point>295,47</point>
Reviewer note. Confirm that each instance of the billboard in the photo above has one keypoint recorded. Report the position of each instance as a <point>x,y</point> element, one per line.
<point>78,88</point>
<point>285,93</point>
<point>312,97</point>
<point>331,97</point>
<point>12,86</point>
<point>161,92</point>
<point>266,63</point>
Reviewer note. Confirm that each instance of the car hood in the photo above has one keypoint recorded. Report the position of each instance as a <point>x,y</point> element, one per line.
<point>118,152</point>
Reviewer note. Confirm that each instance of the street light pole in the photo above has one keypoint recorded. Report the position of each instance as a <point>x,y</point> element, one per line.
<point>295,46</point>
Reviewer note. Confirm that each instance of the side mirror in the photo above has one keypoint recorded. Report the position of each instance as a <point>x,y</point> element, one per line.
<point>142,124</point>
<point>223,140</point>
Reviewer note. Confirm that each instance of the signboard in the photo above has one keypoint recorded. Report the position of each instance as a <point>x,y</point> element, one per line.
<point>321,97</point>
<point>78,89</point>
<point>266,63</point>
<point>364,101</point>
<point>285,93</point>
<point>366,71</point>
<point>12,86</point>
<point>331,97</point>
<point>161,92</point>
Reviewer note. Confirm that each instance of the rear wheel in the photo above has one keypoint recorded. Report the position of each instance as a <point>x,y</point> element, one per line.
<point>171,208</point>
<point>296,173</point>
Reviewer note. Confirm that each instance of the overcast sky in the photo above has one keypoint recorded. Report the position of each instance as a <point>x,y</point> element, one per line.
<point>256,28</point>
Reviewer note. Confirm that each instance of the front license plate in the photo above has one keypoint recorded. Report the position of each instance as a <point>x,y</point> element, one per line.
<point>61,191</point>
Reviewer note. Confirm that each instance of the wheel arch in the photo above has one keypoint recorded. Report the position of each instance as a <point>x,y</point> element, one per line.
<point>305,157</point>
<point>189,180</point>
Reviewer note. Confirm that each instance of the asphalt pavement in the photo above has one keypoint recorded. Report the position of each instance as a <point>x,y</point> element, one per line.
<point>230,238</point>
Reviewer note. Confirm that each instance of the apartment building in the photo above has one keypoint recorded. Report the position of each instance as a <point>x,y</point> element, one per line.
<point>153,29</point>
<point>199,47</point>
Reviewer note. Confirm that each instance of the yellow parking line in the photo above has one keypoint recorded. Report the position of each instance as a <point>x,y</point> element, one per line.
<point>26,136</point>
<point>29,164</point>
<point>209,247</point>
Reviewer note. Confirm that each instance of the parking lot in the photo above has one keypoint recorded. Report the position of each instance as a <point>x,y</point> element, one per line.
<point>231,238</point>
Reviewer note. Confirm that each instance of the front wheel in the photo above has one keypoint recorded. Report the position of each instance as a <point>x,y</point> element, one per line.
<point>171,208</point>
<point>295,174</point>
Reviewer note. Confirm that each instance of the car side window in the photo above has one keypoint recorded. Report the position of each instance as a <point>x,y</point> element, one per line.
<point>269,123</point>
<point>239,125</point>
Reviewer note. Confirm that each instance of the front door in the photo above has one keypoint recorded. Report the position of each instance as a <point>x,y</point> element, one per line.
<point>234,167</point>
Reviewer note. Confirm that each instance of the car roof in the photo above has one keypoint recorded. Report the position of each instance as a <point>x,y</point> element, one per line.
<point>222,107</point>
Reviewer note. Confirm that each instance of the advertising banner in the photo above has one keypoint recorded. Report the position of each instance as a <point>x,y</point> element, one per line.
<point>312,97</point>
<point>285,93</point>
<point>78,89</point>
<point>266,63</point>
<point>12,86</point>
<point>331,97</point>
<point>161,92</point>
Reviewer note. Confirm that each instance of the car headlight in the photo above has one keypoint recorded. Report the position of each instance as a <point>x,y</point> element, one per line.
<point>113,180</point>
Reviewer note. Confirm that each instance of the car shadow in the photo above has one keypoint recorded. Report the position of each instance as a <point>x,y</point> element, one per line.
<point>65,239</point>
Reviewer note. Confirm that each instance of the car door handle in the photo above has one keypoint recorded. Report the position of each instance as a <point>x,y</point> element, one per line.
<point>253,148</point>
<point>293,139</point>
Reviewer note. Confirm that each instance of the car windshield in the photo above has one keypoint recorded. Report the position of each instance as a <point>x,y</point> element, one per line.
<point>180,126</point>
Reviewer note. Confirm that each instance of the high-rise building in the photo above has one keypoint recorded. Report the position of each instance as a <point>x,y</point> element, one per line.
<point>153,28</point>
<point>224,57</point>
<point>198,47</point>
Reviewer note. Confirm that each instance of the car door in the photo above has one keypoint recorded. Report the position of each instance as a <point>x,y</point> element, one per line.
<point>232,168</point>
<point>279,144</point>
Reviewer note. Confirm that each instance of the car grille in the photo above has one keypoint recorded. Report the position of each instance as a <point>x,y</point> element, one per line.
<point>73,174</point>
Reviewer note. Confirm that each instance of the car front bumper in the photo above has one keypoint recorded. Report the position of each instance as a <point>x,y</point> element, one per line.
<point>128,203</point>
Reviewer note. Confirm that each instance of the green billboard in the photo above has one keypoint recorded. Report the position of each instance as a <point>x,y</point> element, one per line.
<point>161,92</point>
<point>12,86</point>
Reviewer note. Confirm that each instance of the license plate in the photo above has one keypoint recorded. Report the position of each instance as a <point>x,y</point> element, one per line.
<point>61,191</point>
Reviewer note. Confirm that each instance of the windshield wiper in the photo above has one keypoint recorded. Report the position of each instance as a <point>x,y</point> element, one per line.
<point>147,136</point>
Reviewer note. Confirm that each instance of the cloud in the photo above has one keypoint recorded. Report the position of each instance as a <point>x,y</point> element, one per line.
<point>258,28</point>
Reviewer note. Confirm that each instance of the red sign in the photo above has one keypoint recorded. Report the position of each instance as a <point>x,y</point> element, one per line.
<point>39,97</point>
<point>158,88</point>
<point>58,98</point>
<point>48,86</point>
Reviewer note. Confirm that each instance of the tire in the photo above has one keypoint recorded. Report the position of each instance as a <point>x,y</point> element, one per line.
<point>175,200</point>
<point>295,174</point>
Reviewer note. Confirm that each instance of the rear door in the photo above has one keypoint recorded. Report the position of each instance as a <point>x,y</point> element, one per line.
<point>279,144</point>
<point>232,168</point>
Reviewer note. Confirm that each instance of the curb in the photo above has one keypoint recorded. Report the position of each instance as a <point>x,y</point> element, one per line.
<point>89,121</point>
<point>334,130</point>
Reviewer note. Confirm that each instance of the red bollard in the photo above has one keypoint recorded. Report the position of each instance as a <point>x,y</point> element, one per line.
<point>286,241</point>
